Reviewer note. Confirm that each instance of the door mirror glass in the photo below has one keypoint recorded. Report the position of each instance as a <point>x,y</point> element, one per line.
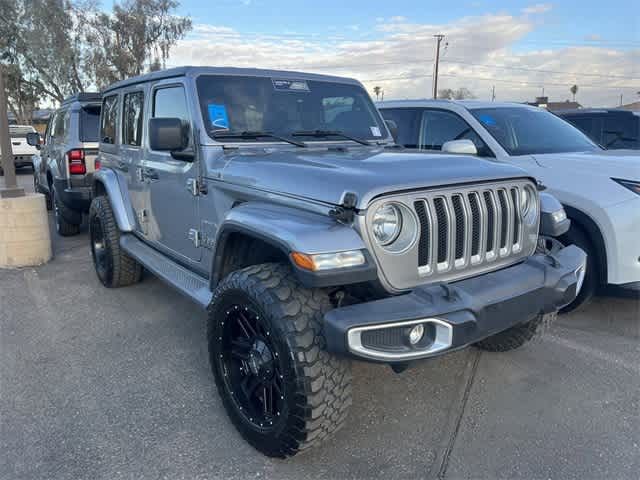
<point>33,139</point>
<point>465,147</point>
<point>393,129</point>
<point>167,134</point>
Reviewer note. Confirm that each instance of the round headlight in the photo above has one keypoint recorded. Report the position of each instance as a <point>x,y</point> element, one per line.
<point>387,223</point>
<point>525,201</point>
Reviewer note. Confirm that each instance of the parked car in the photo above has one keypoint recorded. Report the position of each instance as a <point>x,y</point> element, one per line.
<point>610,128</point>
<point>22,152</point>
<point>276,201</point>
<point>64,169</point>
<point>599,189</point>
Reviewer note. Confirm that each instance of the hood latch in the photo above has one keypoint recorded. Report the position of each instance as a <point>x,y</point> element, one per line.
<point>345,212</point>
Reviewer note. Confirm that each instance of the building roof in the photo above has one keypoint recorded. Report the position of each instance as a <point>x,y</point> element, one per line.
<point>191,71</point>
<point>634,107</point>
<point>427,102</point>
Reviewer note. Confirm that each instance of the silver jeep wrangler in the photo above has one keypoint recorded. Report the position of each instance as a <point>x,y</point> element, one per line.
<point>279,203</point>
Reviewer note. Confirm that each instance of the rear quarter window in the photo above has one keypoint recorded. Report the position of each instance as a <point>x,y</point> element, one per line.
<point>90,123</point>
<point>109,119</point>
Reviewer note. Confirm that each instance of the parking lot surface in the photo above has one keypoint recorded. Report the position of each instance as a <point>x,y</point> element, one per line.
<point>110,384</point>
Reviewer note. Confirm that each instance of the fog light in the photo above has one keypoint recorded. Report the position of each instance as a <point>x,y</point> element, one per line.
<point>416,334</point>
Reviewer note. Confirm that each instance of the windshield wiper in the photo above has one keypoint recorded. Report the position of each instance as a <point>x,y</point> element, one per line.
<point>328,133</point>
<point>255,134</point>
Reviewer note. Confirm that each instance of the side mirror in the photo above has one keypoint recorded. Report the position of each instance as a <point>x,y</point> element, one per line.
<point>33,139</point>
<point>167,134</point>
<point>393,129</point>
<point>465,147</point>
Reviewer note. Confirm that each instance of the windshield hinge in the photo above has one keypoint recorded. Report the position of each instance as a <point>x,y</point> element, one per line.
<point>196,187</point>
<point>345,212</point>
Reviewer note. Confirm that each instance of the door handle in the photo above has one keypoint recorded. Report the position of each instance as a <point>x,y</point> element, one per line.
<point>150,174</point>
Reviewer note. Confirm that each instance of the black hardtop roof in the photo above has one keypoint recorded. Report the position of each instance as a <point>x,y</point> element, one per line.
<point>83,97</point>
<point>245,72</point>
<point>585,111</point>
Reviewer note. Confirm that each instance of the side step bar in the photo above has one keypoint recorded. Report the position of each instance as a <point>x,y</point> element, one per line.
<point>184,280</point>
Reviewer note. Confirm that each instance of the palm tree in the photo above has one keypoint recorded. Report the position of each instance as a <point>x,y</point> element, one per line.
<point>377,91</point>
<point>574,90</point>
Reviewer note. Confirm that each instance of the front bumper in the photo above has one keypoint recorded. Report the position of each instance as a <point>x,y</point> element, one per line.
<point>457,314</point>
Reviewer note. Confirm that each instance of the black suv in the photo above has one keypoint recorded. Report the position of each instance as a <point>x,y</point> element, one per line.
<point>613,129</point>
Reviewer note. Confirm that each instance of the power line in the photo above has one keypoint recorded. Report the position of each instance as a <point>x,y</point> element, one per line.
<point>517,82</point>
<point>525,69</point>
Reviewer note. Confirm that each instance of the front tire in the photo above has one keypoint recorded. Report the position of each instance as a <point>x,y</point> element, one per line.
<point>113,266</point>
<point>513,337</point>
<point>281,389</point>
<point>576,236</point>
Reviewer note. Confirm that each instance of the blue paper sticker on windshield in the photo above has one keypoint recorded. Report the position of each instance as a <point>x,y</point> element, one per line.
<point>218,116</point>
<point>290,85</point>
<point>487,119</point>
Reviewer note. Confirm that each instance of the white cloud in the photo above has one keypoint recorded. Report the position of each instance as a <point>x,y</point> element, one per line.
<point>537,8</point>
<point>397,55</point>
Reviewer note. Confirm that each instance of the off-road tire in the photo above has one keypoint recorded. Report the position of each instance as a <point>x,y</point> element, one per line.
<point>576,236</point>
<point>120,270</point>
<point>511,338</point>
<point>317,384</point>
<point>68,221</point>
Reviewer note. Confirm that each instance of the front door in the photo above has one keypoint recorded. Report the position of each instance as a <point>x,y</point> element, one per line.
<point>173,210</point>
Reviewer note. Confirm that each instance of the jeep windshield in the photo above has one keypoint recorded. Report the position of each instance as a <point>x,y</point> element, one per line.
<point>528,131</point>
<point>263,109</point>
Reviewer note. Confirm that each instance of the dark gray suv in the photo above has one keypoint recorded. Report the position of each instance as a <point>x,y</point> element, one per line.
<point>64,169</point>
<point>279,203</point>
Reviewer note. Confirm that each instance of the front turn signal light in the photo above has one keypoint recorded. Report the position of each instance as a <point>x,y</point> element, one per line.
<point>328,261</point>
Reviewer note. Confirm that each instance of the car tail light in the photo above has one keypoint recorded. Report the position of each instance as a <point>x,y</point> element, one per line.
<point>97,164</point>
<point>76,162</point>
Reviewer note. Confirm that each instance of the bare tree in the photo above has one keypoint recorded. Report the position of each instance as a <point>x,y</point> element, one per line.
<point>459,94</point>
<point>137,36</point>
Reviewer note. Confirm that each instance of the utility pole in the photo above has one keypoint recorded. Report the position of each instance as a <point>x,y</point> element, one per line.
<point>10,189</point>
<point>620,99</point>
<point>438,38</point>
<point>493,94</point>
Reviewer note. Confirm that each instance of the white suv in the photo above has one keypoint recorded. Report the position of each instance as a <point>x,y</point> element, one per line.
<point>22,152</point>
<point>599,189</point>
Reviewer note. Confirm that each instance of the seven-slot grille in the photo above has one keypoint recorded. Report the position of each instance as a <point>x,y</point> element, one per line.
<point>461,229</point>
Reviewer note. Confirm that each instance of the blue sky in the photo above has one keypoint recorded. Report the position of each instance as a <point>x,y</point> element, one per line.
<point>573,22</point>
<point>520,47</point>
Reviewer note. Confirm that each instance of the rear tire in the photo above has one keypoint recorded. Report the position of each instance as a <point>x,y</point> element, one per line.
<point>576,236</point>
<point>281,389</point>
<point>511,338</point>
<point>67,221</point>
<point>113,266</point>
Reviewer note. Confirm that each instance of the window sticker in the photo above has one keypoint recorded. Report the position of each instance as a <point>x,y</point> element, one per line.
<point>487,120</point>
<point>218,116</point>
<point>375,131</point>
<point>290,85</point>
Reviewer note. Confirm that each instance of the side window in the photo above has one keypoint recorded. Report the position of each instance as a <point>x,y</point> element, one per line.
<point>48,134</point>
<point>109,119</point>
<point>58,126</point>
<point>619,131</point>
<point>439,127</point>
<point>132,118</point>
<point>171,102</point>
<point>584,123</point>
<point>408,122</point>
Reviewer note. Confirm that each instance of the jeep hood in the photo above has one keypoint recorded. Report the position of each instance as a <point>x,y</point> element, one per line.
<point>324,175</point>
